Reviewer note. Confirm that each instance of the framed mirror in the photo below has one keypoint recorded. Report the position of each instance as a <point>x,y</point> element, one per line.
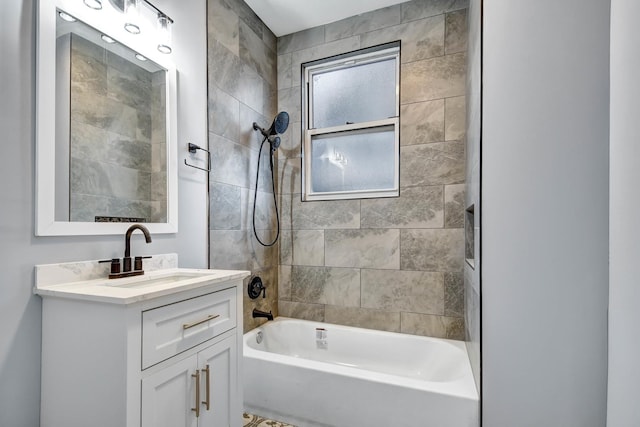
<point>106,123</point>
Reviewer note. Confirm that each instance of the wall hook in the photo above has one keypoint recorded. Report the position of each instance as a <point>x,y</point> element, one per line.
<point>192,149</point>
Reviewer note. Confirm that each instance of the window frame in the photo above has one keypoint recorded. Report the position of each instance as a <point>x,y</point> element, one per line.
<point>356,58</point>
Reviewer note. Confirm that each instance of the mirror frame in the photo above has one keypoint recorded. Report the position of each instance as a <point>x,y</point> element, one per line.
<point>109,21</point>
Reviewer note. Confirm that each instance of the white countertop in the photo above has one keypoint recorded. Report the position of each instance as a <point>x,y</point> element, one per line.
<point>139,288</point>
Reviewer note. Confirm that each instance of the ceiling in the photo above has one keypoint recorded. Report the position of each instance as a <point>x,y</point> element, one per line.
<point>289,16</point>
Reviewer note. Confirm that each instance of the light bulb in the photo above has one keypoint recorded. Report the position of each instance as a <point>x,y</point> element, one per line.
<point>65,16</point>
<point>93,4</point>
<point>132,16</point>
<point>164,33</point>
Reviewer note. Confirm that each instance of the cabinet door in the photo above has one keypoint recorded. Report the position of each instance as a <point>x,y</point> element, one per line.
<point>169,394</point>
<point>224,408</point>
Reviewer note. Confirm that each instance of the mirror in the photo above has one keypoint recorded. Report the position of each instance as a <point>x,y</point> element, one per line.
<point>106,118</point>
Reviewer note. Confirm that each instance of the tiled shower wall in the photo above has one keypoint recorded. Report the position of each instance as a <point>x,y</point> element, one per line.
<point>117,135</point>
<point>390,264</point>
<point>242,90</point>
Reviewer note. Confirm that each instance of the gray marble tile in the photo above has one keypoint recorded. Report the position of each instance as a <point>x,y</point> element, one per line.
<point>85,207</point>
<point>285,75</point>
<point>237,250</point>
<point>222,64</point>
<point>373,248</point>
<point>417,207</point>
<point>414,291</point>
<point>289,179</point>
<point>289,100</point>
<point>321,51</point>
<point>222,25</point>
<point>88,74</point>
<point>335,214</point>
<point>422,122</point>
<point>224,114</point>
<point>82,46</point>
<point>158,184</point>
<point>432,164</point>
<point>247,16</point>
<point>299,310</point>
<point>302,247</point>
<point>256,54</point>
<point>432,250</point>
<point>264,183</point>
<point>129,90</point>
<point>363,318</point>
<point>250,87</point>
<point>301,40</point>
<point>435,78</point>
<point>454,294</point>
<point>158,211</point>
<point>230,163</point>
<point>270,101</point>
<point>456,32</point>
<point>418,9</point>
<point>362,23</point>
<point>433,326</point>
<point>325,285</point>
<point>454,206</point>
<point>284,282</point>
<point>224,207</point>
<point>291,140</point>
<point>455,112</point>
<point>421,39</point>
<point>249,137</point>
<point>105,179</point>
<point>265,218</point>
<point>269,39</point>
<point>143,125</point>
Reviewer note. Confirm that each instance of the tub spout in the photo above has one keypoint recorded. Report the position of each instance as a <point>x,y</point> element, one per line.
<point>259,313</point>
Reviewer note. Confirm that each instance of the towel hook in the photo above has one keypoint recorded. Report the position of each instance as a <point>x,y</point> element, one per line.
<point>192,149</point>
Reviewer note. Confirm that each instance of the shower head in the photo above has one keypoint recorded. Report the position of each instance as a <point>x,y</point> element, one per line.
<point>279,125</point>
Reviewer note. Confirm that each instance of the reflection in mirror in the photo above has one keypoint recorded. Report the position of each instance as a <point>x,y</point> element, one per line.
<point>111,130</point>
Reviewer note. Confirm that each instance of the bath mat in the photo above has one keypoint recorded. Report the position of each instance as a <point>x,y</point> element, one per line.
<point>257,421</point>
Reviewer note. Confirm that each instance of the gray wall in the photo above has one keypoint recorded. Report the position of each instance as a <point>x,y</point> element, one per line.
<point>472,187</point>
<point>545,212</point>
<point>624,292</point>
<point>242,90</point>
<point>390,264</point>
<point>19,308</point>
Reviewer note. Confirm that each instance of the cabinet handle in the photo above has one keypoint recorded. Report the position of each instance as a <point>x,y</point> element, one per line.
<point>191,325</point>
<point>197,408</point>
<point>207,400</point>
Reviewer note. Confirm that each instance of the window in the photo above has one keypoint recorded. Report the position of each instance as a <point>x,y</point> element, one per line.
<point>351,129</point>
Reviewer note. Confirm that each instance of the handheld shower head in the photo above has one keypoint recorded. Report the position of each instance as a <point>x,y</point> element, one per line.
<point>279,126</point>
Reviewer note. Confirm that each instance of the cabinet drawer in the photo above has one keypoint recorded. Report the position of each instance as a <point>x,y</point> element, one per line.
<point>174,328</point>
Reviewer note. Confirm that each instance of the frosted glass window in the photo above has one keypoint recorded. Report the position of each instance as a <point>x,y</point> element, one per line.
<point>353,161</point>
<point>356,94</point>
<point>351,122</point>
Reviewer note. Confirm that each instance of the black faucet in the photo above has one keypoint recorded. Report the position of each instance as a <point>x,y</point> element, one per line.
<point>126,261</point>
<point>259,313</point>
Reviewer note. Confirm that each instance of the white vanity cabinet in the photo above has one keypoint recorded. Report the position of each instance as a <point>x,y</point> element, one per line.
<point>170,360</point>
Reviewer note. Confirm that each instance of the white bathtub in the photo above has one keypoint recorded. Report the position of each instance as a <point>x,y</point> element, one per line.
<point>356,377</point>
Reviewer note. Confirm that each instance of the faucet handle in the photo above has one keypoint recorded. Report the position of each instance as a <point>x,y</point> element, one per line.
<point>115,264</point>
<point>137,262</point>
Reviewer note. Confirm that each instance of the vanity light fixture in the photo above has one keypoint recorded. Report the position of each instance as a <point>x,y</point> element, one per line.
<point>107,39</point>
<point>65,16</point>
<point>164,33</point>
<point>93,4</point>
<point>132,15</point>
<point>140,57</point>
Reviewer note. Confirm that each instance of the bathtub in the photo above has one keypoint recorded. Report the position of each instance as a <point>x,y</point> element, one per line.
<point>317,374</point>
